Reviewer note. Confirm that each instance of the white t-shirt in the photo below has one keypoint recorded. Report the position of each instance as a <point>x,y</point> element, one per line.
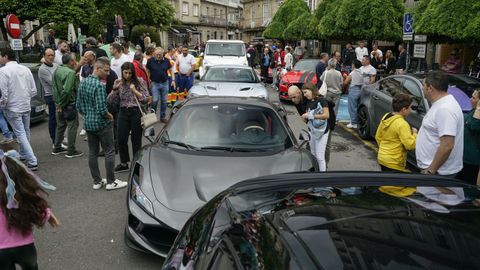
<point>367,71</point>
<point>360,52</point>
<point>58,57</point>
<point>288,61</point>
<point>130,56</point>
<point>116,64</point>
<point>185,63</point>
<point>379,53</point>
<point>444,118</point>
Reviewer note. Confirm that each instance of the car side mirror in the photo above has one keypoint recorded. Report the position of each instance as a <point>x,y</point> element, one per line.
<point>149,133</point>
<point>304,138</point>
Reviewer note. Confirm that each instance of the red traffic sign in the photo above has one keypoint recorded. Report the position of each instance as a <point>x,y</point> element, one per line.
<point>119,22</point>
<point>13,26</point>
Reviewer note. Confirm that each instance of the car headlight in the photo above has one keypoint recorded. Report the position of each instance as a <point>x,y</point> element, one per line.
<point>136,193</point>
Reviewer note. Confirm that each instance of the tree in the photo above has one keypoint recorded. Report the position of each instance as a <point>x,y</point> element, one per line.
<point>157,13</point>
<point>353,19</point>
<point>302,27</point>
<point>448,20</point>
<point>288,12</point>
<point>48,11</point>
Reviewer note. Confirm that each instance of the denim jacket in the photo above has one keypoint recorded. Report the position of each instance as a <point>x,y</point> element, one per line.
<point>316,126</point>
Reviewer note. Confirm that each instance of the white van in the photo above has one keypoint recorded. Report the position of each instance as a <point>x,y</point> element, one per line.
<point>223,52</point>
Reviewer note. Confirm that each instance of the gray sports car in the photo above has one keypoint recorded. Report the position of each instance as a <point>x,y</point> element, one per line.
<point>209,144</point>
<point>229,80</point>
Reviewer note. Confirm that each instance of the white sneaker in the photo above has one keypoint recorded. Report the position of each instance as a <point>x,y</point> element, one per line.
<point>350,125</point>
<point>65,141</point>
<point>83,132</point>
<point>116,185</point>
<point>101,184</point>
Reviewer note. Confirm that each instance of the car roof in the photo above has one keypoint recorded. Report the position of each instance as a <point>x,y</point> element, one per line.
<point>224,41</point>
<point>196,100</point>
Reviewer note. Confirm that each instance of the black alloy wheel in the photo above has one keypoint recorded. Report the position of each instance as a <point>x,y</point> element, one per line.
<point>363,123</point>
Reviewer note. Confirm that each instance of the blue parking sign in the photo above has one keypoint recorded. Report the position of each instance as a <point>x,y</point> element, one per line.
<point>407,23</point>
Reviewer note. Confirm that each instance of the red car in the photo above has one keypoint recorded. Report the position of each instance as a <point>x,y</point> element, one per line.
<point>303,71</point>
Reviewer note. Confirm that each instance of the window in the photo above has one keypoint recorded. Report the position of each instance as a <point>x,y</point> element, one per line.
<point>252,13</point>
<point>195,10</point>
<point>391,87</point>
<point>185,8</point>
<point>266,13</point>
<point>207,10</point>
<point>215,12</point>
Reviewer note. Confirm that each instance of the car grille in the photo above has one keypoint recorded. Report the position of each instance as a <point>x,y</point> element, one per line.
<point>160,237</point>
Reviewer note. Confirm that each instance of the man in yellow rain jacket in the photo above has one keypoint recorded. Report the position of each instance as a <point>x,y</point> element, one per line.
<point>395,136</point>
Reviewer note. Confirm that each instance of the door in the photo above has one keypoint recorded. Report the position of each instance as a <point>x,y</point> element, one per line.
<point>411,87</point>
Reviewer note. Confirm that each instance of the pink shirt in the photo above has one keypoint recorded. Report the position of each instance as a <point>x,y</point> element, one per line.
<point>14,238</point>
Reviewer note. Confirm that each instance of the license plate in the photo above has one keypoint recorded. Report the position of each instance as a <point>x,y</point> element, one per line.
<point>40,108</point>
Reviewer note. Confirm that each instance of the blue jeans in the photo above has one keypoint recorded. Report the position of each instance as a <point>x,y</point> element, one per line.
<point>52,119</point>
<point>185,83</point>
<point>160,91</point>
<point>20,123</point>
<point>7,134</point>
<point>353,99</point>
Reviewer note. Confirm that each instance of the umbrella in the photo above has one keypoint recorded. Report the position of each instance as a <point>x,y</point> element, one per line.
<point>461,98</point>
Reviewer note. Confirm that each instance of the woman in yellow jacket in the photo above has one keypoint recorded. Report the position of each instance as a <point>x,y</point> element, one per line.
<point>395,136</point>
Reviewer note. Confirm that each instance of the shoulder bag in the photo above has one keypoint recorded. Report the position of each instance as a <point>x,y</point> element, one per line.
<point>147,119</point>
<point>323,89</point>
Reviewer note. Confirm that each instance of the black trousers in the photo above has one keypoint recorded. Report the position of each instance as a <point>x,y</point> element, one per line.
<point>24,256</point>
<point>129,121</point>
<point>469,173</point>
<point>386,169</point>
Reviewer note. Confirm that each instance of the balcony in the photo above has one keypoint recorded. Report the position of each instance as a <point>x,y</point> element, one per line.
<point>210,20</point>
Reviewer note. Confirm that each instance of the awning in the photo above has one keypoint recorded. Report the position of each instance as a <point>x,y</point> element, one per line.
<point>183,30</point>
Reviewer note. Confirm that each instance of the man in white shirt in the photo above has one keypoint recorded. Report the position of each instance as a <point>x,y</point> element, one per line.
<point>118,59</point>
<point>127,52</point>
<point>361,50</point>
<point>377,50</point>
<point>369,73</point>
<point>62,49</point>
<point>186,65</point>
<point>17,87</point>
<point>288,59</point>
<point>439,146</point>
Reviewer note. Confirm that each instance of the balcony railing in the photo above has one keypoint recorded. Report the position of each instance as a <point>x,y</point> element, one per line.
<point>211,20</point>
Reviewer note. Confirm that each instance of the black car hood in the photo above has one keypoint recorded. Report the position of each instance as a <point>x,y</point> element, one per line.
<point>184,180</point>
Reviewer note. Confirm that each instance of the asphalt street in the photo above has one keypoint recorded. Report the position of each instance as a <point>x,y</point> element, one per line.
<point>92,222</point>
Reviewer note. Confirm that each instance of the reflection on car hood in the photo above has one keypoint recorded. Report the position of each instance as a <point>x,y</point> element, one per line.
<point>184,181</point>
<point>229,89</point>
<point>224,60</point>
<point>299,77</point>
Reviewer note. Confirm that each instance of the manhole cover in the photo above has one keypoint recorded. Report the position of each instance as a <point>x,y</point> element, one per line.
<point>337,147</point>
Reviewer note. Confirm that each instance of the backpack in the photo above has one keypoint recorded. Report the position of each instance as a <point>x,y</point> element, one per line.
<point>332,120</point>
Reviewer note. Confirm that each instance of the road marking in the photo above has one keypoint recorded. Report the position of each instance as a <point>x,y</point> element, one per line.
<point>355,134</point>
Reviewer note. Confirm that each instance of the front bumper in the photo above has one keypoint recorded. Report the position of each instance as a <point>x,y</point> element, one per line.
<point>147,234</point>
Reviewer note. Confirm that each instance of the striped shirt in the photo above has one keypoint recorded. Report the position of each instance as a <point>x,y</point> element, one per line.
<point>92,103</point>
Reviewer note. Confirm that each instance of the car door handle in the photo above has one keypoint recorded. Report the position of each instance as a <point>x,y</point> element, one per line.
<point>376,97</point>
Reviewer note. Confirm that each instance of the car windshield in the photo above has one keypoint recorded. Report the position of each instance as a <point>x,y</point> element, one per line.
<point>306,65</point>
<point>218,74</point>
<point>225,49</point>
<point>227,127</point>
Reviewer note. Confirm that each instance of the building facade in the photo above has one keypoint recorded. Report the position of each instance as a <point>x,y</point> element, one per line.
<point>257,14</point>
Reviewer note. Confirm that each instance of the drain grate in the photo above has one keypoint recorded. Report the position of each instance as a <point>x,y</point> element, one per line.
<point>338,147</point>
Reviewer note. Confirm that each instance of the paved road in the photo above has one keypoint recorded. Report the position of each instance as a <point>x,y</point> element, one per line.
<point>91,235</point>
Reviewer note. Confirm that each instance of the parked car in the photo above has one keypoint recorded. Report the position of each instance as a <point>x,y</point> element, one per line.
<point>303,71</point>
<point>38,106</point>
<point>198,59</point>
<point>229,80</point>
<point>376,101</point>
<point>209,144</point>
<point>344,220</point>
<point>223,52</point>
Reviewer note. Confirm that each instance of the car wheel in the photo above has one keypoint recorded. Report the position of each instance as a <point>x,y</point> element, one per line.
<point>363,123</point>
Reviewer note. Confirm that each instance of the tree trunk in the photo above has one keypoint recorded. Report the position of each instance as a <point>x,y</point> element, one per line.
<point>130,28</point>
<point>34,30</point>
<point>4,31</point>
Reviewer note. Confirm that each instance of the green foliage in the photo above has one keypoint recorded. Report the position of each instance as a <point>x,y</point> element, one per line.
<point>445,20</point>
<point>301,28</point>
<point>287,13</point>
<point>138,30</point>
<point>353,19</point>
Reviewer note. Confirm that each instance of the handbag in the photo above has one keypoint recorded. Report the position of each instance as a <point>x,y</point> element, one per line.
<point>69,112</point>
<point>147,119</point>
<point>323,89</point>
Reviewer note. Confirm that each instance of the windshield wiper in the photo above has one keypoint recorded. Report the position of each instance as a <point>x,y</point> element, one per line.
<point>187,146</point>
<point>232,149</point>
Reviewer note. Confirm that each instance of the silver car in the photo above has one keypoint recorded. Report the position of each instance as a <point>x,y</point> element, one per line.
<point>229,80</point>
